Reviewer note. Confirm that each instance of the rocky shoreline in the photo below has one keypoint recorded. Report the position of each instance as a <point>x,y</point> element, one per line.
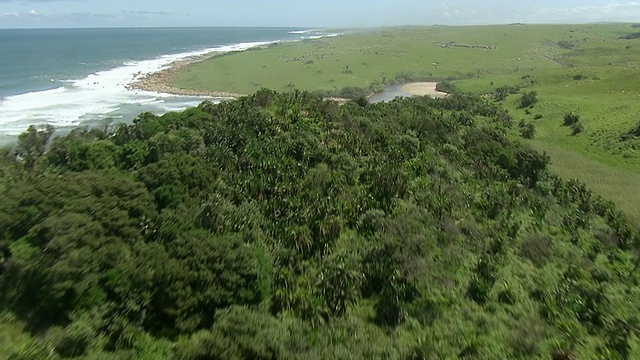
<point>160,81</point>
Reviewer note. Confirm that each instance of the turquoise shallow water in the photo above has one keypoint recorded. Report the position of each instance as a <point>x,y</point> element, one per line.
<point>74,77</point>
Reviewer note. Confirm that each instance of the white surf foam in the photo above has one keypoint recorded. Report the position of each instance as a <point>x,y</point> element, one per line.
<point>105,94</point>
<point>300,31</point>
<point>99,94</point>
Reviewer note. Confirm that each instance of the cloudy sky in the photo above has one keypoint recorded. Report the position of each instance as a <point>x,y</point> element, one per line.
<point>303,13</point>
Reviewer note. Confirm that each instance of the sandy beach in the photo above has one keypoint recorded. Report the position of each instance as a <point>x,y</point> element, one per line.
<point>423,88</point>
<point>160,81</point>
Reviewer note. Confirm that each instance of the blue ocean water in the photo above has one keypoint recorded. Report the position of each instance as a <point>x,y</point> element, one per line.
<point>75,77</point>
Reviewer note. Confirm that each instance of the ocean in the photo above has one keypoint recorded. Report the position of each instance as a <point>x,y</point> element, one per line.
<point>78,77</point>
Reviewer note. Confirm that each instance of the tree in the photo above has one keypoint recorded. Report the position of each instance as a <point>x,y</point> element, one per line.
<point>238,333</point>
<point>205,273</point>
<point>32,144</point>
<point>340,281</point>
<point>283,225</point>
<point>502,92</point>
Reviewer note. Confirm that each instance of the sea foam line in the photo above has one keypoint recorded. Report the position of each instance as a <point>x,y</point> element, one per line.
<point>102,93</point>
<point>96,94</point>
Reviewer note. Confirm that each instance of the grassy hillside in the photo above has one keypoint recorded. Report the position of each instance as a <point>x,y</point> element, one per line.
<point>362,59</point>
<point>585,69</point>
<point>286,226</point>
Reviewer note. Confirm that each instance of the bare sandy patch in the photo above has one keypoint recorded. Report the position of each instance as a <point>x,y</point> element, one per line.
<point>423,89</point>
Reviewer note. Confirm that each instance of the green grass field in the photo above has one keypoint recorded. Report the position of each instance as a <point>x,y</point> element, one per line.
<point>363,58</point>
<point>585,69</point>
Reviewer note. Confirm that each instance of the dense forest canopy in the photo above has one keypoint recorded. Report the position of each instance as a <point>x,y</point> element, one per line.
<point>285,226</point>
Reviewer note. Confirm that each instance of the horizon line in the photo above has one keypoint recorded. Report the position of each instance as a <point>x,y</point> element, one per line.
<point>318,28</point>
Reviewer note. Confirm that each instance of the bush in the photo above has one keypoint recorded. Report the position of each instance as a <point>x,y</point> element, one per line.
<point>526,338</point>
<point>577,128</point>
<point>631,36</point>
<point>377,87</point>
<point>71,341</point>
<point>351,92</point>
<point>537,248</point>
<point>633,133</point>
<point>565,45</point>
<point>528,99</point>
<point>527,129</point>
<point>238,333</point>
<point>446,86</point>
<point>502,92</point>
<point>570,119</point>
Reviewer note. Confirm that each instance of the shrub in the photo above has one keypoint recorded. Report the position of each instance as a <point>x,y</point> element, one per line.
<point>346,70</point>
<point>528,99</point>
<point>565,45</point>
<point>526,338</point>
<point>633,133</point>
<point>577,128</point>
<point>446,86</point>
<point>537,248</point>
<point>527,129</point>
<point>537,116</point>
<point>631,36</point>
<point>570,119</point>
<point>503,91</point>
<point>238,333</point>
<point>363,101</point>
<point>71,341</point>
<point>353,92</point>
<point>377,87</point>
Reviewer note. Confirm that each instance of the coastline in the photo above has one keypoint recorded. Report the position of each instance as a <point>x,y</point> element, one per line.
<point>159,81</point>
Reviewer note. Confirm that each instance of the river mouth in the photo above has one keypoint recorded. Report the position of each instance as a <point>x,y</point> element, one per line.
<point>390,92</point>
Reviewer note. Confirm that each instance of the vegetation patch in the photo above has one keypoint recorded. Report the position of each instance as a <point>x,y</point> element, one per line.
<point>287,226</point>
<point>631,134</point>
<point>528,99</point>
<point>631,36</point>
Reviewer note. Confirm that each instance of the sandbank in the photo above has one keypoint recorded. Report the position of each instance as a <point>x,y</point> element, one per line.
<point>423,89</point>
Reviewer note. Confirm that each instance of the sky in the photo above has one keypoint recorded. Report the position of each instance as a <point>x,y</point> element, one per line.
<point>306,14</point>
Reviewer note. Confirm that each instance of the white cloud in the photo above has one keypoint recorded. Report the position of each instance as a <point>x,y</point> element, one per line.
<point>615,11</point>
<point>30,13</point>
